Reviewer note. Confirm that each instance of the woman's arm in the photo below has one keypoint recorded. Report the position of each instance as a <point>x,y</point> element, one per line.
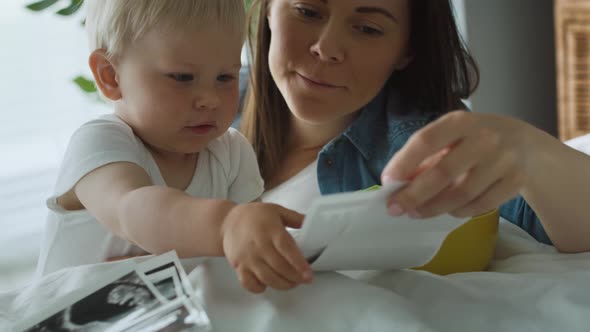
<point>468,163</point>
<point>558,190</point>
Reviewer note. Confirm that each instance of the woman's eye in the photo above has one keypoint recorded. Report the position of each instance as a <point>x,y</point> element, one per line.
<point>367,30</point>
<point>308,13</point>
<point>226,78</point>
<point>181,77</point>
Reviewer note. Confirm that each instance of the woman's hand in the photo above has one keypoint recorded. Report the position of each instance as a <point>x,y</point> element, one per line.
<point>463,163</point>
<point>261,250</point>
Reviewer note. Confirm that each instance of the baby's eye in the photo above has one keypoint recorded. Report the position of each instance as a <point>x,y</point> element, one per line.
<point>367,30</point>
<point>181,77</point>
<point>226,78</point>
<point>308,13</point>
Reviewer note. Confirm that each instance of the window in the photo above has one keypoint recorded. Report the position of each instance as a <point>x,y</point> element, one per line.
<point>41,107</point>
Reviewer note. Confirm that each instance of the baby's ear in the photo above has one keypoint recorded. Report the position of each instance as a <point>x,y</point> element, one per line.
<point>105,74</point>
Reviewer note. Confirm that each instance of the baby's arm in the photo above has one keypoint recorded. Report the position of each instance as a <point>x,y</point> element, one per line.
<point>252,236</point>
<point>122,197</point>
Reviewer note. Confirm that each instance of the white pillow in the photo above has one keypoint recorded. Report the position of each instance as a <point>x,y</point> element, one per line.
<point>581,143</point>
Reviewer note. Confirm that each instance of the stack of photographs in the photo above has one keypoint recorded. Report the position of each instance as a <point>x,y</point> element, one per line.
<point>154,295</point>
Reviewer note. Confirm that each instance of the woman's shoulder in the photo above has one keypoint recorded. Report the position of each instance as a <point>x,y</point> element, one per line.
<point>403,115</point>
<point>390,121</point>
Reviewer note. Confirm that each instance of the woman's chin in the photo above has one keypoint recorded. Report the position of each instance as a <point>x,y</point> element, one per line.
<point>316,116</point>
<point>317,110</point>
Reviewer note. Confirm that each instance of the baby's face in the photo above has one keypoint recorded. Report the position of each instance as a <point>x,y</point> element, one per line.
<point>180,89</point>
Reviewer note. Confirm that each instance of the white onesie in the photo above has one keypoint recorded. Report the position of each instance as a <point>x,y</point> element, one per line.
<point>226,169</point>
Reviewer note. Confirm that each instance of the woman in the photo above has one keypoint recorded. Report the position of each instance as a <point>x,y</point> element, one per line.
<point>349,93</point>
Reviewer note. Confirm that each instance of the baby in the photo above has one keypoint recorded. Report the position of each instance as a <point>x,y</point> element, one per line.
<point>165,170</point>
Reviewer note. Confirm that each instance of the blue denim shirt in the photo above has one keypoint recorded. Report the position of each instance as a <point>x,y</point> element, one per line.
<point>354,160</point>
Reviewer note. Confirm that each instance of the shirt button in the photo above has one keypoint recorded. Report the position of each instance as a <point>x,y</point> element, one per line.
<point>329,162</point>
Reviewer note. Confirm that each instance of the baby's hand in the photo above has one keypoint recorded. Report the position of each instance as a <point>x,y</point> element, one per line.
<point>261,250</point>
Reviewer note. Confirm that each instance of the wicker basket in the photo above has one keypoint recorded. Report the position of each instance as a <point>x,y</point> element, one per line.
<point>572,25</point>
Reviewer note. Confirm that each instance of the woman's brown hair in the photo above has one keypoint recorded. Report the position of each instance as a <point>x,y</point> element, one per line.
<point>441,73</point>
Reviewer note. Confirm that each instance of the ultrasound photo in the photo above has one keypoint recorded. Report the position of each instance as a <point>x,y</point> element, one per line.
<point>154,295</point>
<point>167,282</point>
<point>104,307</point>
<point>178,315</point>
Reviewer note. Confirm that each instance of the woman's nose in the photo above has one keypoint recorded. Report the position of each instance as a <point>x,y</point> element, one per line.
<point>328,48</point>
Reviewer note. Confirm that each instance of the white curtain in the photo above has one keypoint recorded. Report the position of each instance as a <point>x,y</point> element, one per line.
<point>39,109</point>
<point>459,6</point>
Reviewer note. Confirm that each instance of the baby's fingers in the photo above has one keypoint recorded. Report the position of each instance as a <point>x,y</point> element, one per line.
<point>249,281</point>
<point>271,278</point>
<point>287,248</point>
<point>279,264</point>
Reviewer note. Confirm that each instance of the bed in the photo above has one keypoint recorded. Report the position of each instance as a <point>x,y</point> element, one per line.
<point>528,287</point>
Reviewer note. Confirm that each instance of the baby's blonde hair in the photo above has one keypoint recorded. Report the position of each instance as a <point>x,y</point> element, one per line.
<point>114,24</point>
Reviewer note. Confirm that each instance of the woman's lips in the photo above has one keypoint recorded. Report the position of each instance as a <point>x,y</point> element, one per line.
<point>317,83</point>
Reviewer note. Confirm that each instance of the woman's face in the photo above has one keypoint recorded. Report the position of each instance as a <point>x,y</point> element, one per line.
<point>329,58</point>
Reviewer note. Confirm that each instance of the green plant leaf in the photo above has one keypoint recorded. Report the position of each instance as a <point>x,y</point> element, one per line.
<point>248,4</point>
<point>85,84</point>
<point>41,5</point>
<point>72,8</point>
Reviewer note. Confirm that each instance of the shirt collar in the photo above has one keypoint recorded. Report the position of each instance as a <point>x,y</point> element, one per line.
<point>371,125</point>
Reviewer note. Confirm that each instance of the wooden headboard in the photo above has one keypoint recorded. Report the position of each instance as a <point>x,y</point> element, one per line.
<point>572,27</point>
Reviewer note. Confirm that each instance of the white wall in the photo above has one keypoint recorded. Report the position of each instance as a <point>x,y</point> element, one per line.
<point>513,42</point>
<point>459,6</point>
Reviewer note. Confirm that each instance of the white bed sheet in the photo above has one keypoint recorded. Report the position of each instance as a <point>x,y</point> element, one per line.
<point>580,143</point>
<point>529,287</point>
